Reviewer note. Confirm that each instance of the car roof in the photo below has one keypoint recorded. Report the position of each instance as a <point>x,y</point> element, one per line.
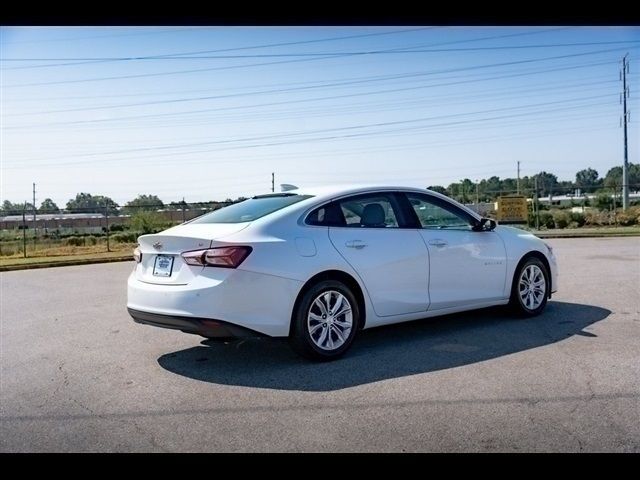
<point>323,193</point>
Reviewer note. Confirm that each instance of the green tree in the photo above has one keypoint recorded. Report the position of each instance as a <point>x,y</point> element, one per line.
<point>613,178</point>
<point>438,188</point>
<point>604,200</point>
<point>144,202</point>
<point>9,208</point>
<point>48,206</point>
<point>588,180</point>
<point>146,222</point>
<point>87,203</point>
<point>546,183</point>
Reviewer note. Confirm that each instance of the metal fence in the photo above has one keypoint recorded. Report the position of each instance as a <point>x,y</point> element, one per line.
<point>89,230</point>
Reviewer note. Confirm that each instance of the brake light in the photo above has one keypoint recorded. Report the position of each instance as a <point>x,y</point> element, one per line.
<point>137,255</point>
<point>225,257</point>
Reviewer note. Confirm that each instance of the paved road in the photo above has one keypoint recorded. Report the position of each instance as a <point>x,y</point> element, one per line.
<point>79,375</point>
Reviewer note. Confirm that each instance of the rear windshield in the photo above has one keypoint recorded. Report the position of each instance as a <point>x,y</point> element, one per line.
<point>251,209</point>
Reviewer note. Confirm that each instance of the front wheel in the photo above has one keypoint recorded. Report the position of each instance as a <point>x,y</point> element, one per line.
<point>325,321</point>
<point>530,289</point>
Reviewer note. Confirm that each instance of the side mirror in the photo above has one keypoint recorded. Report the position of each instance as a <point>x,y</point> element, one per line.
<point>485,225</point>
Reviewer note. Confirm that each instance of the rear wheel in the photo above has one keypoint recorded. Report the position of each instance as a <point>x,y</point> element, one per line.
<point>530,289</point>
<point>325,321</point>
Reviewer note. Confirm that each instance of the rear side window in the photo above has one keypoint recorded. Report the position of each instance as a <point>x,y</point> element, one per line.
<point>326,216</point>
<point>251,209</point>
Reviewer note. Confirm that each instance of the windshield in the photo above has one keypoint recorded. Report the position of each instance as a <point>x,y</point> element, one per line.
<point>251,209</point>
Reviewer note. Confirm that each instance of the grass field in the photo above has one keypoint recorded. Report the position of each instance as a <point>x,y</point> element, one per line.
<point>68,255</point>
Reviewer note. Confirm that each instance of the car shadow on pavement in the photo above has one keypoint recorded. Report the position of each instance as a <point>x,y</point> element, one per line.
<point>386,352</point>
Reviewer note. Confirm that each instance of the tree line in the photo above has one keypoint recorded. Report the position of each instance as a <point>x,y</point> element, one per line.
<point>87,203</point>
<point>587,180</point>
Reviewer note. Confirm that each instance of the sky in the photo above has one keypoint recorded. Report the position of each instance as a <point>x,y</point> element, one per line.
<point>208,113</point>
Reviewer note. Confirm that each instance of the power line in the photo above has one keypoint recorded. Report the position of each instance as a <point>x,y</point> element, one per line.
<point>269,45</point>
<point>308,54</point>
<point>304,100</point>
<point>217,97</point>
<point>485,124</point>
<point>146,93</point>
<point>174,55</point>
<point>73,39</point>
<point>353,127</point>
<point>368,107</point>
<point>176,72</point>
<point>482,126</point>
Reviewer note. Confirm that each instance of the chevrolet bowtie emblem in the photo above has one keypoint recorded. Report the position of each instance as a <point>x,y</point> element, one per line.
<point>157,246</point>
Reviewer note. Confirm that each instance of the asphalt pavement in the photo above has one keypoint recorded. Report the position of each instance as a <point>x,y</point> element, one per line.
<point>77,374</point>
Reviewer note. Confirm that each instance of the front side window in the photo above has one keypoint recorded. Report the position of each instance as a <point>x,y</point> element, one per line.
<point>369,211</point>
<point>251,209</point>
<point>434,213</point>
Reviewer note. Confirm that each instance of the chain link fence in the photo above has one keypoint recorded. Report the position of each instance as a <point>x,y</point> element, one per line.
<point>89,230</point>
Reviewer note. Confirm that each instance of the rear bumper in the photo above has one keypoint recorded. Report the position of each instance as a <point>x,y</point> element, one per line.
<point>206,327</point>
<point>253,301</point>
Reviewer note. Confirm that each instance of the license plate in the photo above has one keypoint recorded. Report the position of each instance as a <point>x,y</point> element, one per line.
<point>163,266</point>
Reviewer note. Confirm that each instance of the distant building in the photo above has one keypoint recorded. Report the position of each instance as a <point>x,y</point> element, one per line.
<point>65,223</point>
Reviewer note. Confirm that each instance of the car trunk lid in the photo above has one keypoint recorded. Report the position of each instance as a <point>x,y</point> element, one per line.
<point>161,253</point>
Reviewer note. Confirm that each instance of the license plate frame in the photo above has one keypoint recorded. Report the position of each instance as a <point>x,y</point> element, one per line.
<point>161,268</point>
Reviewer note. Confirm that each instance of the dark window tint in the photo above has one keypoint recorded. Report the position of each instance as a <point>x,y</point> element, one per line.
<point>251,209</point>
<point>326,216</point>
<point>370,211</point>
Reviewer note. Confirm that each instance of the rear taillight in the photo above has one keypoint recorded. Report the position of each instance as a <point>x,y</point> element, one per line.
<point>137,255</point>
<point>225,257</point>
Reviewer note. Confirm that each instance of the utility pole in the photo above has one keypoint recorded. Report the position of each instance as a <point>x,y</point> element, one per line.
<point>183,212</point>
<point>477,196</point>
<point>273,182</point>
<point>106,218</point>
<point>518,182</point>
<point>35,226</point>
<point>24,230</point>
<point>536,206</point>
<point>625,119</point>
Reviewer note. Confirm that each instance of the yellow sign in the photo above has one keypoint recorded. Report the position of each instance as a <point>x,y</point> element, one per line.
<point>512,209</point>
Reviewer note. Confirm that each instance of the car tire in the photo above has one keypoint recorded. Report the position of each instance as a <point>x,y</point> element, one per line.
<point>530,288</point>
<point>319,332</point>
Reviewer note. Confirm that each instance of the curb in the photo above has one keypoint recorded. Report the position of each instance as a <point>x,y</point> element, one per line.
<point>65,263</point>
<point>595,235</point>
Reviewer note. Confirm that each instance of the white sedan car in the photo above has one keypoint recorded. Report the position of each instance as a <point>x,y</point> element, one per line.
<point>319,264</point>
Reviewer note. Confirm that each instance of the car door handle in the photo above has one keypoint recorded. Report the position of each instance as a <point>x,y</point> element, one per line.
<point>437,242</point>
<point>355,244</point>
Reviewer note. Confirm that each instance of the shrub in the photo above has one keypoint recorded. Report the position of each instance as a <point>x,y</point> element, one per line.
<point>577,218</point>
<point>91,240</point>
<point>126,237</point>
<point>603,200</point>
<point>147,222</point>
<point>74,241</point>
<point>546,220</point>
<point>561,219</point>
<point>626,218</point>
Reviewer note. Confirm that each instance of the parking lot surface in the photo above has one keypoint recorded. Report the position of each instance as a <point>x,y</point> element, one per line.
<point>77,374</point>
